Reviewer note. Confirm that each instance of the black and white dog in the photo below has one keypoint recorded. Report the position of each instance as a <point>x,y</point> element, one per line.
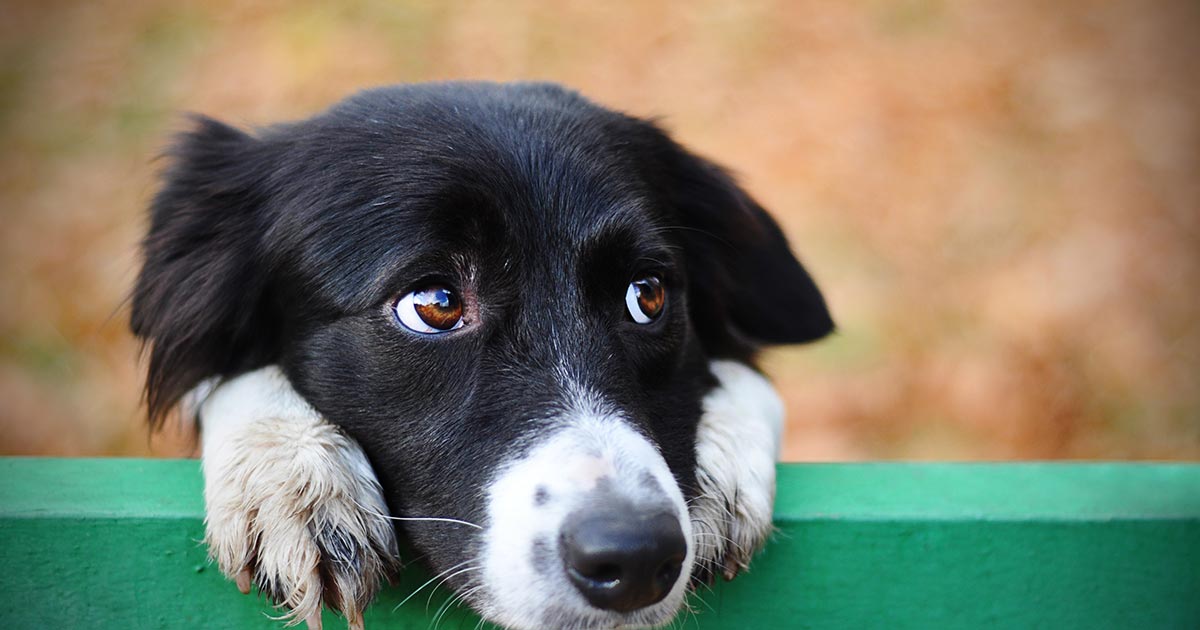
<point>511,326</point>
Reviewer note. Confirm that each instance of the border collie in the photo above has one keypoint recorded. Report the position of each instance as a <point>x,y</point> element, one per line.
<point>497,321</point>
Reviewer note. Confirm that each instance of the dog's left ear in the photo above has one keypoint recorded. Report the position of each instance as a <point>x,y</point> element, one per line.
<point>746,286</point>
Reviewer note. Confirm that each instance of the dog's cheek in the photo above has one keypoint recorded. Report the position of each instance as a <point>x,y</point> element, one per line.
<point>664,357</point>
<point>405,399</point>
<point>410,409</point>
<point>366,369</point>
<point>671,415</point>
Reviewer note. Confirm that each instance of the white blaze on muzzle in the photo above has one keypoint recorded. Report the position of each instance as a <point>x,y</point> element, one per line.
<point>594,462</point>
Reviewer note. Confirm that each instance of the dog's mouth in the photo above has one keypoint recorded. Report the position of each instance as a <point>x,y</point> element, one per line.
<point>588,530</point>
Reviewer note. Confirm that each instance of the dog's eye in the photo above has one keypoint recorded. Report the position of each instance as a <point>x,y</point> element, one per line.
<point>432,310</point>
<point>645,298</point>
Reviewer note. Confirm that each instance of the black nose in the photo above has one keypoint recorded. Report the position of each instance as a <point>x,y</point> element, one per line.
<point>622,559</point>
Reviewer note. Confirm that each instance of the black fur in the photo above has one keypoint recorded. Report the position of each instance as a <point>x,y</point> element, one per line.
<point>290,246</point>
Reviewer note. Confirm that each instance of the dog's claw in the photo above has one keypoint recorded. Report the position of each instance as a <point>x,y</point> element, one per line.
<point>243,580</point>
<point>730,568</point>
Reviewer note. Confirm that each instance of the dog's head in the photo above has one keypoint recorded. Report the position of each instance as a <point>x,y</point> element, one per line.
<point>509,296</point>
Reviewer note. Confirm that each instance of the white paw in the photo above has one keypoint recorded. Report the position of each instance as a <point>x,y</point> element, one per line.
<point>737,444</point>
<point>292,503</point>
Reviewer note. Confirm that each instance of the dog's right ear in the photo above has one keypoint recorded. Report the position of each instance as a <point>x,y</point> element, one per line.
<point>747,288</point>
<point>199,296</point>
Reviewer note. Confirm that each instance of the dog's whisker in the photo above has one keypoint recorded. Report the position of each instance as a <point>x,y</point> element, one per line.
<point>727,539</point>
<point>468,593</point>
<point>651,259</point>
<point>694,613</point>
<point>444,580</point>
<point>701,497</point>
<point>431,581</point>
<point>437,519</point>
<point>688,611</point>
<point>697,597</point>
<point>454,601</point>
<point>436,621</point>
<point>687,228</point>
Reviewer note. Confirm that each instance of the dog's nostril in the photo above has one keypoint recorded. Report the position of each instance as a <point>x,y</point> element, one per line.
<point>622,559</point>
<point>603,575</point>
<point>669,572</point>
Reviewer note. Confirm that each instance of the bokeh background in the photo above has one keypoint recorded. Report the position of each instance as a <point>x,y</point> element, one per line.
<point>1000,198</point>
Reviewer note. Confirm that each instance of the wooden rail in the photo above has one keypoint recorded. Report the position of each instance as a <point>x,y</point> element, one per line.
<point>115,544</point>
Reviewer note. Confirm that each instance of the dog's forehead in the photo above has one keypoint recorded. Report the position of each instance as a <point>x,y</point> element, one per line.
<point>417,182</point>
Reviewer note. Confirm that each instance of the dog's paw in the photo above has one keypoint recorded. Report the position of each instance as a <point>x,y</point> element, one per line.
<point>737,444</point>
<point>292,503</point>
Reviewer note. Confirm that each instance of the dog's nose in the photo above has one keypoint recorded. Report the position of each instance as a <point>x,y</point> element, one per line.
<point>623,559</point>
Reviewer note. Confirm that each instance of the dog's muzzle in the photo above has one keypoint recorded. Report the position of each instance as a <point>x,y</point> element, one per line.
<point>587,530</point>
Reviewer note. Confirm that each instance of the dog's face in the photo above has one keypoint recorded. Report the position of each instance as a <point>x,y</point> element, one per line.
<point>509,297</point>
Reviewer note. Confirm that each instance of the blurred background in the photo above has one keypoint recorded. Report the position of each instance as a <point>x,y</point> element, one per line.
<point>1001,199</point>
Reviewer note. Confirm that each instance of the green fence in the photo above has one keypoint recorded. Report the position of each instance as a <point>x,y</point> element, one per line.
<point>115,544</point>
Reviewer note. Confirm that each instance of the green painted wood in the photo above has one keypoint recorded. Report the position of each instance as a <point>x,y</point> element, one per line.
<point>115,544</point>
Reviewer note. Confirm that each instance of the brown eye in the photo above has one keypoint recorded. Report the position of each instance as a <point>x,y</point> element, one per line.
<point>645,299</point>
<point>432,310</point>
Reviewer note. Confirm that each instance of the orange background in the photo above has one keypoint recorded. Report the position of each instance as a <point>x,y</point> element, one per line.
<point>1001,199</point>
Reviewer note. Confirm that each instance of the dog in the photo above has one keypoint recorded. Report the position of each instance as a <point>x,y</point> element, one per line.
<point>498,322</point>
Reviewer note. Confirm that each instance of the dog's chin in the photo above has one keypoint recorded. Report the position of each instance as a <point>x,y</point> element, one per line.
<point>569,612</point>
<point>566,610</point>
<point>561,617</point>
